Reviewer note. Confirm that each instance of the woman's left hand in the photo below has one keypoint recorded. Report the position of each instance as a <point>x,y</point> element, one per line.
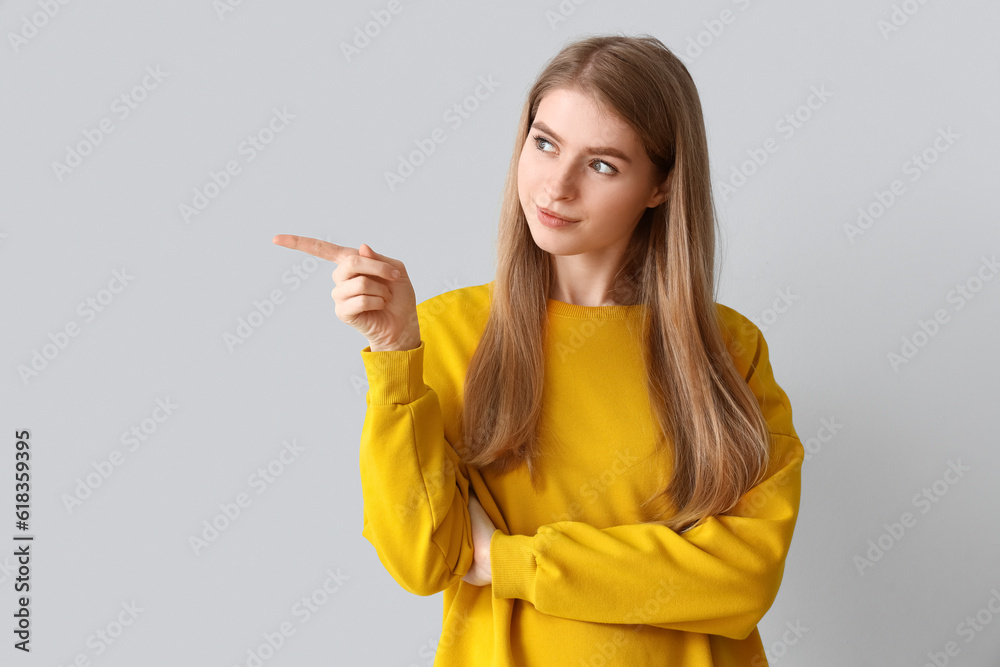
<point>480,573</point>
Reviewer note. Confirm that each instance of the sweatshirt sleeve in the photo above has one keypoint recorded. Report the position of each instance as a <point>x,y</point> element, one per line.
<point>414,485</point>
<point>719,577</point>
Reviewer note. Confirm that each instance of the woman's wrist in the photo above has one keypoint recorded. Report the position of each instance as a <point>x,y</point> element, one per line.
<point>398,347</point>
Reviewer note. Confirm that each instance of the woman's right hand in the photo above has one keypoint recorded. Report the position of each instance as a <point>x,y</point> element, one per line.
<point>368,297</point>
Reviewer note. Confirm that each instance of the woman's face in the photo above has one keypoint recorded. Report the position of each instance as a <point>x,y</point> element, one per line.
<point>584,164</point>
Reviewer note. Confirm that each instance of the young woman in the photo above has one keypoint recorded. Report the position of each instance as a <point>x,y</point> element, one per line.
<point>588,455</point>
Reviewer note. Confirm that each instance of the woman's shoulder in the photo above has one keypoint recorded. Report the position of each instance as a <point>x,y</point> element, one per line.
<point>464,296</point>
<point>455,305</point>
<point>451,325</point>
<point>752,359</point>
<point>453,321</point>
<point>742,337</point>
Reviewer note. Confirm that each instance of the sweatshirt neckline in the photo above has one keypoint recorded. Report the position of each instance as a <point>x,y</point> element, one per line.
<point>619,312</point>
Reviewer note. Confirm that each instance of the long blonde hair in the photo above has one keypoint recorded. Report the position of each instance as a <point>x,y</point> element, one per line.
<point>703,405</point>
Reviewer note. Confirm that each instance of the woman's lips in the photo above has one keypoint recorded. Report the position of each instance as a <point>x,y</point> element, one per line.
<point>550,219</point>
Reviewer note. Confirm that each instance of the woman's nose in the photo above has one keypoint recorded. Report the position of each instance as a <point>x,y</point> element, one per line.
<point>560,182</point>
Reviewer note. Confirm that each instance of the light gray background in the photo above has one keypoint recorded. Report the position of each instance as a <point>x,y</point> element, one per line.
<point>299,376</point>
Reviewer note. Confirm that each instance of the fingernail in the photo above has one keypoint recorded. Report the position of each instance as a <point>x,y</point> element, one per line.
<point>395,273</point>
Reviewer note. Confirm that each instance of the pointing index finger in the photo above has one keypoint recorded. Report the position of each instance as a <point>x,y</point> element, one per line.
<point>315,247</point>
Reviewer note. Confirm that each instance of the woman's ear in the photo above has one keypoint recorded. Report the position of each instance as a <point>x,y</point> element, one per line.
<point>662,192</point>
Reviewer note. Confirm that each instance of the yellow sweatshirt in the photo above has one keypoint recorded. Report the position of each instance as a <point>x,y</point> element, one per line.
<point>577,580</point>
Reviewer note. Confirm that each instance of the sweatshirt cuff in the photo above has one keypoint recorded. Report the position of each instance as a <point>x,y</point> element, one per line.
<point>512,566</point>
<point>394,376</point>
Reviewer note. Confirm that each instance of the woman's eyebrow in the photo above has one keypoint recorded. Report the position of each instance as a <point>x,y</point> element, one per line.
<point>599,150</point>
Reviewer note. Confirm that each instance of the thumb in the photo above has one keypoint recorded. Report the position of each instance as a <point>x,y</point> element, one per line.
<point>365,250</point>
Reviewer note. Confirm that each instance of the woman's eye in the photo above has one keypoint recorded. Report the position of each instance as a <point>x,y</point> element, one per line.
<point>612,169</point>
<point>539,138</point>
